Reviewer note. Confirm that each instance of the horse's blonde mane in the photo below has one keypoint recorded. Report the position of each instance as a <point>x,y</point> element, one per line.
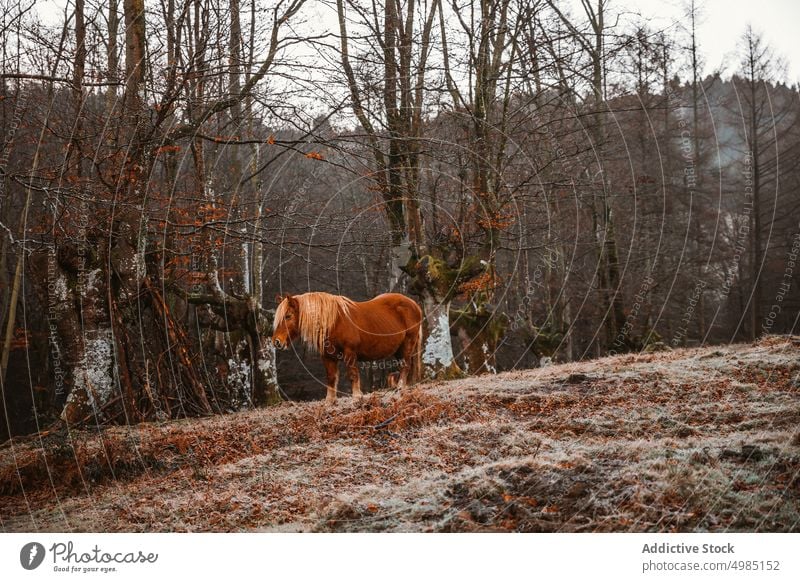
<point>318,314</point>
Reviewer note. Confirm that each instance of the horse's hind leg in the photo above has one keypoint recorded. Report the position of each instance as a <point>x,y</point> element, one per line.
<point>407,353</point>
<point>353,373</point>
<point>332,373</point>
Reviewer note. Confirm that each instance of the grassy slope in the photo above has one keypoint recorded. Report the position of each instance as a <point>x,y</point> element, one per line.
<point>703,439</point>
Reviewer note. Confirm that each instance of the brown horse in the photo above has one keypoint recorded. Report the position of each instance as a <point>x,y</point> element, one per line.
<point>339,328</point>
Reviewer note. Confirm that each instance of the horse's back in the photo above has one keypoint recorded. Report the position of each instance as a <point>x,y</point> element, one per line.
<point>388,313</point>
<point>395,300</point>
<point>398,303</point>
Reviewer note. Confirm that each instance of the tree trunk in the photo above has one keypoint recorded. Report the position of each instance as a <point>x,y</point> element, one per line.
<point>96,362</point>
<point>755,270</point>
<point>88,332</point>
<point>266,390</point>
<point>437,357</point>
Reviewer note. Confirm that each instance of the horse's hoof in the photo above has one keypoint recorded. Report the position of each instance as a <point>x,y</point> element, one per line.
<point>330,402</point>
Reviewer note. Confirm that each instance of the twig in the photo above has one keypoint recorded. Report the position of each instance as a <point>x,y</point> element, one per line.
<point>386,422</point>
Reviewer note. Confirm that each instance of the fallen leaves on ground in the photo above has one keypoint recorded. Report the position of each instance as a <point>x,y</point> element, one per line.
<point>687,440</point>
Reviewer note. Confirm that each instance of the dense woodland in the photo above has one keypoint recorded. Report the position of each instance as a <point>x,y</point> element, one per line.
<point>551,181</point>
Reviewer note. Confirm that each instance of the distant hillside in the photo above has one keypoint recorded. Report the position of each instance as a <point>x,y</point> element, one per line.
<point>687,440</point>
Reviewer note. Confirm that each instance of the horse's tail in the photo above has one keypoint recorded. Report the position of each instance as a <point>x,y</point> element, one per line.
<point>415,374</point>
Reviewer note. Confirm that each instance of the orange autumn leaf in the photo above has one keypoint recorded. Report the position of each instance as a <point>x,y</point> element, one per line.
<point>482,282</point>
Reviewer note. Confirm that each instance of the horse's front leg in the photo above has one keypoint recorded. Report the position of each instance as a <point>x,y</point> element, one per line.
<point>353,374</point>
<point>332,374</point>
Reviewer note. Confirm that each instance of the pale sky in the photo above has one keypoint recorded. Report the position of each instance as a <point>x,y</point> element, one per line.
<point>723,22</point>
<point>719,29</point>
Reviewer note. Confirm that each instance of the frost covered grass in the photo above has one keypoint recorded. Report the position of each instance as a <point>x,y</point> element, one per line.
<point>690,440</point>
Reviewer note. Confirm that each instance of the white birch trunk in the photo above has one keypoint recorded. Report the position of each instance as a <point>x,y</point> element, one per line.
<point>437,357</point>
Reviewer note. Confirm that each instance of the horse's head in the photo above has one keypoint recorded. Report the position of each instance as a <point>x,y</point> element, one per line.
<point>286,327</point>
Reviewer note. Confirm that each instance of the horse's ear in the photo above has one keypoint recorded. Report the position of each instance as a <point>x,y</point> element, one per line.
<point>278,298</point>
